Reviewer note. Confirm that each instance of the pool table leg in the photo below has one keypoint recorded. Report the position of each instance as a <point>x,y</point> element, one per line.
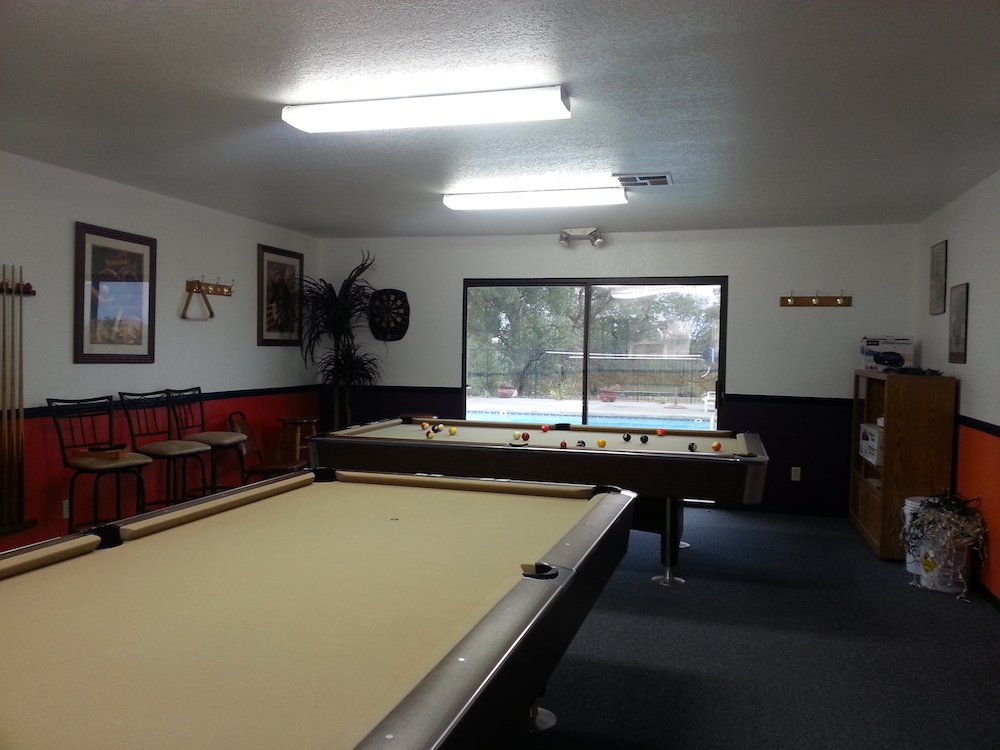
<point>670,541</point>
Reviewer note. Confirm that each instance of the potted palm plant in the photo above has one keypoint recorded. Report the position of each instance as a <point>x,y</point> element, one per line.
<point>329,316</point>
<point>940,536</point>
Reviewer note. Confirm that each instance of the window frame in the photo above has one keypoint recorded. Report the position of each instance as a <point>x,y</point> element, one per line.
<point>588,283</point>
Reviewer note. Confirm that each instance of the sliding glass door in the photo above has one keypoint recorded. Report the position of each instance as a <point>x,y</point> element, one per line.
<point>619,353</point>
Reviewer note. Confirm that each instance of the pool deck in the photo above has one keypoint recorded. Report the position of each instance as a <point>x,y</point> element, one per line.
<point>595,408</point>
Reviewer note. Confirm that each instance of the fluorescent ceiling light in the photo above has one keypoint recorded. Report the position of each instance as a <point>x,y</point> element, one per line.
<point>603,196</point>
<point>514,105</point>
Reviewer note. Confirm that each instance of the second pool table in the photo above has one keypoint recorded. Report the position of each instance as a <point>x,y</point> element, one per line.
<point>663,469</point>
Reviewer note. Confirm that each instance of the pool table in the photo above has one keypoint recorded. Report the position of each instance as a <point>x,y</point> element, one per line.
<point>372,611</point>
<point>662,468</point>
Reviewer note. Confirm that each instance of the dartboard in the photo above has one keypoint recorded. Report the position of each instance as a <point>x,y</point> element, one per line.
<point>388,314</point>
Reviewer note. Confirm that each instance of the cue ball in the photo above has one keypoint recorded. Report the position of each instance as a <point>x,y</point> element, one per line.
<point>692,447</point>
<point>525,436</point>
<point>660,431</point>
<point>545,428</point>
<point>517,435</point>
<point>562,443</point>
<point>601,443</point>
<point>644,438</point>
<point>452,430</point>
<point>716,446</point>
<point>626,437</point>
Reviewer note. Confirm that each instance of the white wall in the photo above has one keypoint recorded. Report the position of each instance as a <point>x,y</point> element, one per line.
<point>772,350</point>
<point>39,204</point>
<point>971,225</point>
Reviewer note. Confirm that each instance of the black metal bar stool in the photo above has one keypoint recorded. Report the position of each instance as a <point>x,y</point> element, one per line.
<point>187,413</point>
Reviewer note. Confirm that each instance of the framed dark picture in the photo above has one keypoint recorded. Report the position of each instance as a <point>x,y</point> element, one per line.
<point>958,323</point>
<point>114,296</point>
<point>279,282</point>
<point>939,277</point>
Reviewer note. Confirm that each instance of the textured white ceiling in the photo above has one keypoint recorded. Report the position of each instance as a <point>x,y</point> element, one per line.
<point>766,112</point>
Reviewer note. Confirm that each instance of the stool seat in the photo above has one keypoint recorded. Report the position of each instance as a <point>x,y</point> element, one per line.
<point>217,438</point>
<point>293,430</point>
<point>173,448</point>
<point>83,462</point>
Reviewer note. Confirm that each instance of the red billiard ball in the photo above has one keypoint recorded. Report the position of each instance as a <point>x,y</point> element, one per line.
<point>716,446</point>
<point>545,428</point>
<point>660,431</point>
<point>525,436</point>
<point>562,444</point>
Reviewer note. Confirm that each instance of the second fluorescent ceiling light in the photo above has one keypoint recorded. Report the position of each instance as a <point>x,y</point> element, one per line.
<point>602,196</point>
<point>512,105</point>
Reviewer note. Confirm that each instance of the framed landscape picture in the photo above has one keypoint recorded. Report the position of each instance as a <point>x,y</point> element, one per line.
<point>114,295</point>
<point>279,281</point>
<point>939,277</point>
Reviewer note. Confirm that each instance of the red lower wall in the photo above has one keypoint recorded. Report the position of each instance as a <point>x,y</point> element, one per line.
<point>47,481</point>
<point>978,475</point>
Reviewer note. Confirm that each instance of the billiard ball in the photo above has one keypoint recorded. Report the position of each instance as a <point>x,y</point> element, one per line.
<point>601,442</point>
<point>644,439</point>
<point>429,434</point>
<point>580,444</point>
<point>525,436</point>
<point>438,427</point>
<point>716,446</point>
<point>424,426</point>
<point>692,447</point>
<point>517,435</point>
<point>452,430</point>
<point>562,443</point>
<point>660,431</point>
<point>545,428</point>
<point>626,437</point>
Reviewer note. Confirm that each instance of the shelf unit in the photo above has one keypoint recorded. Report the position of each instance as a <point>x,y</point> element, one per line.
<point>918,439</point>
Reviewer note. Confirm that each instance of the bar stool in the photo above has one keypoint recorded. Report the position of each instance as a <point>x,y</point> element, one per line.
<point>255,466</point>
<point>187,413</point>
<point>292,435</point>
<point>86,431</point>
<point>149,423</point>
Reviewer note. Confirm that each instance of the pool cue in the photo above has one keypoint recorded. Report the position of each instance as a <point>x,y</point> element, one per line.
<point>18,473</point>
<point>5,499</point>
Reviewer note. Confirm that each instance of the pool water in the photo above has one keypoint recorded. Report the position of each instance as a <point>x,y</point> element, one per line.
<point>668,423</point>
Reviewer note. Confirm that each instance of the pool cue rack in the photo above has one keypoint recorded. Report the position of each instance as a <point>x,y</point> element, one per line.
<point>203,289</point>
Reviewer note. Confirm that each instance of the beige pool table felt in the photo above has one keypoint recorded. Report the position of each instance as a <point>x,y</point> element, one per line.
<point>295,621</point>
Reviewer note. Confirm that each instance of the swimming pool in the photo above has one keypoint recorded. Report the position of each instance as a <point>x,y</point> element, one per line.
<point>669,423</point>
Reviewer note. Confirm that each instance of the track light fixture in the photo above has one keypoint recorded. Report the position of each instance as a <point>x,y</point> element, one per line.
<point>566,236</point>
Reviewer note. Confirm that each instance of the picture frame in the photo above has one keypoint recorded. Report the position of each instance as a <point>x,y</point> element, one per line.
<point>958,323</point>
<point>279,286</point>
<point>939,277</point>
<point>114,297</point>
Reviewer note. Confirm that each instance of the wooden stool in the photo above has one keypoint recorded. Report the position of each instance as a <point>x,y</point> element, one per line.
<point>292,436</point>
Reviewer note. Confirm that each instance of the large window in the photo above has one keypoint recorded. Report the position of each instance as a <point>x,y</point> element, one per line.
<point>625,353</point>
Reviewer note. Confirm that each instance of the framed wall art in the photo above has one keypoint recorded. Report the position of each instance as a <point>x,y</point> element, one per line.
<point>958,323</point>
<point>114,299</point>
<point>279,282</point>
<point>939,277</point>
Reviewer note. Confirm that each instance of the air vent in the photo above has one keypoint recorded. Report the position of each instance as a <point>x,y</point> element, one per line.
<point>645,179</point>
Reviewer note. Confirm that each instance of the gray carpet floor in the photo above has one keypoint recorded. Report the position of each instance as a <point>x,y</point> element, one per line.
<point>789,634</point>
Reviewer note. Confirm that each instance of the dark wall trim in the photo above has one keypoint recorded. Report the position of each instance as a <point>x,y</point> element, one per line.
<point>35,412</point>
<point>975,424</point>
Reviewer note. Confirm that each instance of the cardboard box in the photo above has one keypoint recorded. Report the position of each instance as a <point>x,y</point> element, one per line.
<point>871,446</point>
<point>885,352</point>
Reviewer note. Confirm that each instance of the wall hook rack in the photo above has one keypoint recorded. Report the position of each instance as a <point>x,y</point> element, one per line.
<point>203,288</point>
<point>816,300</point>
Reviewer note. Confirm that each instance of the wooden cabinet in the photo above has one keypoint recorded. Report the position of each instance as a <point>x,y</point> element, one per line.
<point>916,441</point>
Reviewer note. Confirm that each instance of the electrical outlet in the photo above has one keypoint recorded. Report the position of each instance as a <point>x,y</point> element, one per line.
<point>796,473</point>
<point>65,508</point>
